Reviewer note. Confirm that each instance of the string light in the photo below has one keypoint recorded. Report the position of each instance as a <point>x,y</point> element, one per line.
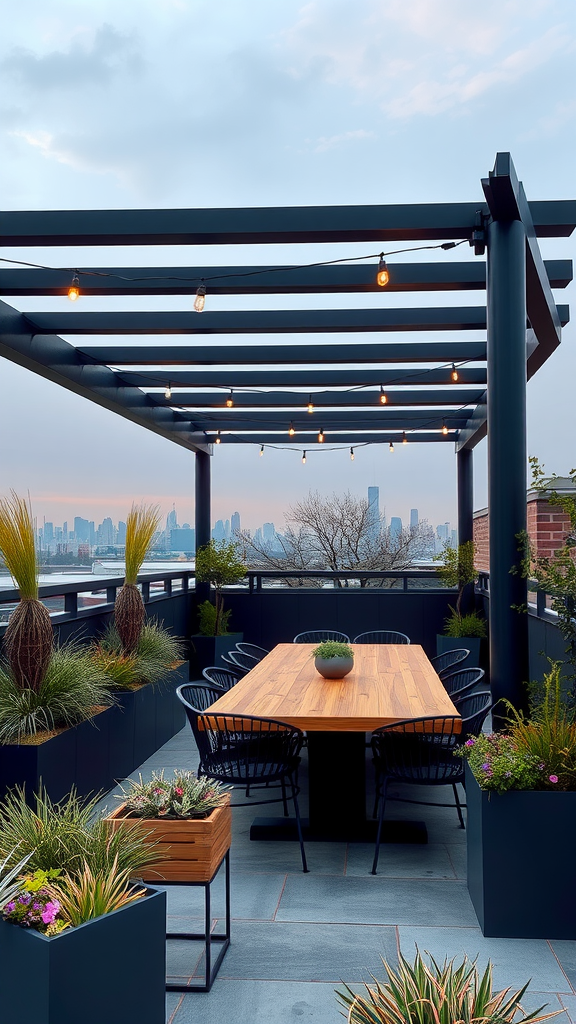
<point>383,275</point>
<point>230,400</point>
<point>74,289</point>
<point>291,430</point>
<point>454,373</point>
<point>310,405</point>
<point>218,438</point>
<point>303,458</point>
<point>383,396</point>
<point>320,436</point>
<point>261,450</point>
<point>351,455</point>
<point>444,428</point>
<point>404,438</point>
<point>168,391</point>
<point>200,300</point>
<point>390,447</point>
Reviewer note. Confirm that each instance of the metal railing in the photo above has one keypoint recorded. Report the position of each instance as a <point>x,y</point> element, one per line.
<point>540,605</point>
<point>398,579</point>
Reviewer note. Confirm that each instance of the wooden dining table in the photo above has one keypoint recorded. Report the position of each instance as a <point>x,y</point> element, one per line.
<point>389,683</point>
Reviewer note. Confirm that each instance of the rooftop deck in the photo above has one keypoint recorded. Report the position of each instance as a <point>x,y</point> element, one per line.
<point>296,937</point>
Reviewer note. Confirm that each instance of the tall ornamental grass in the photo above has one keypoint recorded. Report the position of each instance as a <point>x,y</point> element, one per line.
<point>129,612</point>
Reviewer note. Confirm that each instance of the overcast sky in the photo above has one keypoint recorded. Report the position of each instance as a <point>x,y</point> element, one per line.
<point>176,103</point>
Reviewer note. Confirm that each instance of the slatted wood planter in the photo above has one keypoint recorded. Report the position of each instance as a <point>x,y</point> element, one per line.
<point>195,846</point>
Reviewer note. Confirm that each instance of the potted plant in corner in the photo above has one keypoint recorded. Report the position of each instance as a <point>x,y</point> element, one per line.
<point>219,564</point>
<point>333,659</point>
<point>521,826</point>
<point>189,819</point>
<point>462,628</point>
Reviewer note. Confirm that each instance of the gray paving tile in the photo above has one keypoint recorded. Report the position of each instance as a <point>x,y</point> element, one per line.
<point>457,854</point>
<point>172,1002</point>
<point>323,858</point>
<point>375,900</point>
<point>569,1002</point>
<point>182,958</point>
<point>515,961</point>
<point>307,952</point>
<point>401,860</point>
<point>565,950</point>
<point>253,896</point>
<point>272,1002</point>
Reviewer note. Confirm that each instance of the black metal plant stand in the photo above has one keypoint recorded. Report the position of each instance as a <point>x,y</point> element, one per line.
<point>211,967</point>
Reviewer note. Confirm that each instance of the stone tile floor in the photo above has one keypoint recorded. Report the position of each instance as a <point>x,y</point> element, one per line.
<point>296,937</point>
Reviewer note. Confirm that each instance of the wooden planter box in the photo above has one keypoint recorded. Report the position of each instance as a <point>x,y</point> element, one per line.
<point>96,753</point>
<point>521,875</point>
<point>195,846</point>
<point>110,969</point>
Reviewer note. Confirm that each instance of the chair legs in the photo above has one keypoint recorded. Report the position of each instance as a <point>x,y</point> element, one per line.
<point>284,799</point>
<point>380,822</point>
<point>458,807</point>
<point>299,825</point>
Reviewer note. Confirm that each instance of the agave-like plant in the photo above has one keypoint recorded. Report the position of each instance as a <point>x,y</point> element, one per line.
<point>129,612</point>
<point>28,638</point>
<point>9,884</point>
<point>437,994</point>
<point>94,893</point>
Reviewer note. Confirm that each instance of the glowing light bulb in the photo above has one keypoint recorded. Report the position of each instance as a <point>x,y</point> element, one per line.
<point>303,458</point>
<point>200,300</point>
<point>168,391</point>
<point>291,430</point>
<point>390,447</point>
<point>310,405</point>
<point>404,438</point>
<point>218,438</point>
<point>383,396</point>
<point>351,455</point>
<point>230,400</point>
<point>74,289</point>
<point>454,373</point>
<point>383,275</point>
<point>444,429</point>
<point>261,450</point>
<point>320,436</point>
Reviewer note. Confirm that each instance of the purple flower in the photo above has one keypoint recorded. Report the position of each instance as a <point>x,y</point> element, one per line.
<point>469,743</point>
<point>50,911</point>
<point>553,778</point>
<point>9,907</point>
<point>486,767</point>
<point>541,766</point>
<point>24,898</point>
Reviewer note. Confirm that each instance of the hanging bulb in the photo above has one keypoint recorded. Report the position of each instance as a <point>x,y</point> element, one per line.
<point>303,458</point>
<point>310,405</point>
<point>404,438</point>
<point>168,391</point>
<point>74,289</point>
<point>454,373</point>
<point>261,450</point>
<point>218,438</point>
<point>291,430</point>
<point>200,300</point>
<point>351,455</point>
<point>230,400</point>
<point>444,428</point>
<point>383,275</point>
<point>320,436</point>
<point>390,447</point>
<point>383,396</point>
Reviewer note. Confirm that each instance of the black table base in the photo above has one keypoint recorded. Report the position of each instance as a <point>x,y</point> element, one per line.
<point>284,830</point>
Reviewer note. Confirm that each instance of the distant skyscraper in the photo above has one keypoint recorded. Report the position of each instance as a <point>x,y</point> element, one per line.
<point>121,533</point>
<point>171,520</point>
<point>81,530</point>
<point>413,517</point>
<point>454,538</point>
<point>218,533</point>
<point>268,531</point>
<point>374,510</point>
<point>183,539</point>
<point>48,533</point>
<point>235,524</point>
<point>395,527</point>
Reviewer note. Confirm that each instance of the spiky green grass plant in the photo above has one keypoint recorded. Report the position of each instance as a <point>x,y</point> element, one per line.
<point>156,652</point>
<point>445,993</point>
<point>72,686</point>
<point>94,893</point>
<point>70,834</point>
<point>129,612</point>
<point>28,638</point>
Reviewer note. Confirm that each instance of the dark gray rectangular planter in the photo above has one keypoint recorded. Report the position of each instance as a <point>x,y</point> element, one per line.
<point>110,969</point>
<point>521,875</point>
<point>209,648</point>
<point>455,643</point>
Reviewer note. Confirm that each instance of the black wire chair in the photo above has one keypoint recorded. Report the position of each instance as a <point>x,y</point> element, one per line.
<point>442,663</point>
<point>247,750</point>
<point>382,636</point>
<point>252,649</point>
<point>462,681</point>
<point>316,636</point>
<point>232,665</point>
<point>225,678</point>
<point>473,709</point>
<point>244,662</point>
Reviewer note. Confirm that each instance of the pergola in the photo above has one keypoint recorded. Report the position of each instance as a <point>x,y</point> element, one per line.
<point>271,384</point>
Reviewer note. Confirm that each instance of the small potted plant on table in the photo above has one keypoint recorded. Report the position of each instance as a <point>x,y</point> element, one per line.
<point>333,659</point>
<point>463,628</point>
<point>220,565</point>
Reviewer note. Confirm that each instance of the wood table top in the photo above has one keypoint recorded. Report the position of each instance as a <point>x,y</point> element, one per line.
<point>389,682</point>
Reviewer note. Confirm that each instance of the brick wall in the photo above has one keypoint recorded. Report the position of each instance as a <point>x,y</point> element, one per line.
<point>547,527</point>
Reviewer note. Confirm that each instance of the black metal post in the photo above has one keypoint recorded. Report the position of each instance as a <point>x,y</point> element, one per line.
<point>203,516</point>
<point>506,321</point>
<point>465,484</point>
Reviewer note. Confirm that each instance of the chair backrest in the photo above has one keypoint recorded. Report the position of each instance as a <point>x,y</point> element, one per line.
<point>233,666</point>
<point>196,698</point>
<point>252,649</point>
<point>473,709</point>
<point>316,636</point>
<point>382,636</point>
<point>444,662</point>
<point>247,749</point>
<point>222,677</point>
<point>462,681</point>
<point>419,749</point>
<point>244,662</point>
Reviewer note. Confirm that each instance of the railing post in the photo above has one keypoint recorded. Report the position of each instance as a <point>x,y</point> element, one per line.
<point>145,592</point>
<point>110,595</point>
<point>71,604</point>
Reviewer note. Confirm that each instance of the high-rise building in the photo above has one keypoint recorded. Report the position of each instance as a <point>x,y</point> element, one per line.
<point>373,511</point>
<point>454,538</point>
<point>235,524</point>
<point>48,533</point>
<point>268,531</point>
<point>121,533</point>
<point>395,528</point>
<point>219,533</point>
<point>183,539</point>
<point>171,520</point>
<point>81,530</point>
<point>413,518</point>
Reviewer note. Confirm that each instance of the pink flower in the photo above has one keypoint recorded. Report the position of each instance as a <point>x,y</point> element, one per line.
<point>469,743</point>
<point>553,778</point>
<point>50,911</point>
<point>178,791</point>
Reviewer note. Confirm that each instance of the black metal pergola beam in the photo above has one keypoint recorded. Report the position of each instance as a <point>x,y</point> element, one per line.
<point>258,280</point>
<point>336,419</point>
<point>307,380</point>
<point>333,437</point>
<point>379,224</point>
<point>202,400</point>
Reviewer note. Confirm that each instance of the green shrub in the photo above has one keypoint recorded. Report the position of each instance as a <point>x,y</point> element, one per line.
<point>156,652</point>
<point>472,625</point>
<point>332,649</point>
<point>207,616</point>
